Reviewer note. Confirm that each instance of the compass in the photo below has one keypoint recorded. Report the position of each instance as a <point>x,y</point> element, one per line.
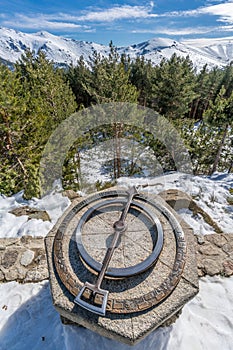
<point>119,251</point>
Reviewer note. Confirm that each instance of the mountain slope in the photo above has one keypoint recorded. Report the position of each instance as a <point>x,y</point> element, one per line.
<point>63,51</point>
<point>213,52</point>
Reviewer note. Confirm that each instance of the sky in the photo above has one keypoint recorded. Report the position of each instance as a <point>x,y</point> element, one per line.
<point>124,22</point>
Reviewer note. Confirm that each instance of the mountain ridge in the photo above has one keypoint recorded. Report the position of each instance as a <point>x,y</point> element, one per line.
<point>64,51</point>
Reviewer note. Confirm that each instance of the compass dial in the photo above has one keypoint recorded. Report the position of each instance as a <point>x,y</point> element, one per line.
<point>148,259</point>
<point>139,244</point>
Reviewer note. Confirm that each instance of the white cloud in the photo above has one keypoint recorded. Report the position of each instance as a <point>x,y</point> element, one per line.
<point>86,21</point>
<point>118,13</point>
<point>175,31</point>
<point>226,28</point>
<point>59,21</point>
<point>224,11</point>
<point>38,21</point>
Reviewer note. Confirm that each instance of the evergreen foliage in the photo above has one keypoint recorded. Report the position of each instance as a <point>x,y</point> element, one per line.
<point>220,116</point>
<point>173,88</point>
<point>79,77</point>
<point>141,76</point>
<point>36,97</point>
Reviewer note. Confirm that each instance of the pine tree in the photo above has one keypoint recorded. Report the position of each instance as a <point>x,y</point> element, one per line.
<point>219,115</point>
<point>79,78</point>
<point>111,80</point>
<point>173,87</point>
<point>141,76</point>
<point>35,99</point>
<point>206,89</point>
<point>12,108</point>
<point>226,80</point>
<point>111,83</point>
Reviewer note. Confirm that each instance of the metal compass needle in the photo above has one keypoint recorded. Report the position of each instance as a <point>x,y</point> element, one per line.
<point>119,227</point>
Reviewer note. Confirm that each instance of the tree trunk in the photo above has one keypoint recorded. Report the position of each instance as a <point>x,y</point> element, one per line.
<point>193,110</point>
<point>230,167</point>
<point>217,158</point>
<point>118,149</point>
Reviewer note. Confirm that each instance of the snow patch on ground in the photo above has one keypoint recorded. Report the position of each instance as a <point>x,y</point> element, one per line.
<point>13,226</point>
<point>29,321</point>
<point>210,193</point>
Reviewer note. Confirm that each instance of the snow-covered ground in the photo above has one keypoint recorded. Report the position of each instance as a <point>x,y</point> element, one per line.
<point>211,194</point>
<point>29,321</point>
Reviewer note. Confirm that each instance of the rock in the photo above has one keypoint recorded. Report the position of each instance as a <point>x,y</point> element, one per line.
<point>71,194</point>
<point>23,259</point>
<point>228,248</point>
<point>36,275</point>
<point>228,268</point>
<point>12,275</point>
<point>27,258</point>
<point>2,276</point>
<point>181,200</point>
<point>215,255</point>
<point>176,199</point>
<point>212,267</point>
<point>200,239</point>
<point>209,249</point>
<point>9,258</point>
<point>32,213</point>
<point>25,240</point>
<point>218,240</point>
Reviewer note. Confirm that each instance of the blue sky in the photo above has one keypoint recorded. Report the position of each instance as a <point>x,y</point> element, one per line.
<point>123,21</point>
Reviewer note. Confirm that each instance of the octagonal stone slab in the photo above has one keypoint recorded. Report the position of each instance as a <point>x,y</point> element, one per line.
<point>132,327</point>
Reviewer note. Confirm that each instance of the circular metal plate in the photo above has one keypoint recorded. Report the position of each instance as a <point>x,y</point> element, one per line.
<point>154,226</point>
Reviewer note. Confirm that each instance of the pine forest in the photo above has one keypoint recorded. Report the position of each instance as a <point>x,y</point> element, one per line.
<point>36,96</point>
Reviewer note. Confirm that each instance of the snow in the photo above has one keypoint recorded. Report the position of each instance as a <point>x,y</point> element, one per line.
<point>213,52</point>
<point>58,49</point>
<point>13,226</point>
<point>28,319</point>
<point>210,193</point>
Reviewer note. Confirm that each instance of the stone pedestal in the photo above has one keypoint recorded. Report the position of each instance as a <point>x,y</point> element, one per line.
<point>123,321</point>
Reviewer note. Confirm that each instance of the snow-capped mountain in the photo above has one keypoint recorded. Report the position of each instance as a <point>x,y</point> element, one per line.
<point>58,49</point>
<point>63,51</point>
<point>213,52</point>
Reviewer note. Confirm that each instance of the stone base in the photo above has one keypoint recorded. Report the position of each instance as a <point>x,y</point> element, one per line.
<point>167,323</point>
<point>23,259</point>
<point>132,327</point>
<point>68,322</point>
<point>215,254</point>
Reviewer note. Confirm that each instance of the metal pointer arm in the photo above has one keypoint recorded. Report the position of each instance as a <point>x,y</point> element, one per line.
<point>119,228</point>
